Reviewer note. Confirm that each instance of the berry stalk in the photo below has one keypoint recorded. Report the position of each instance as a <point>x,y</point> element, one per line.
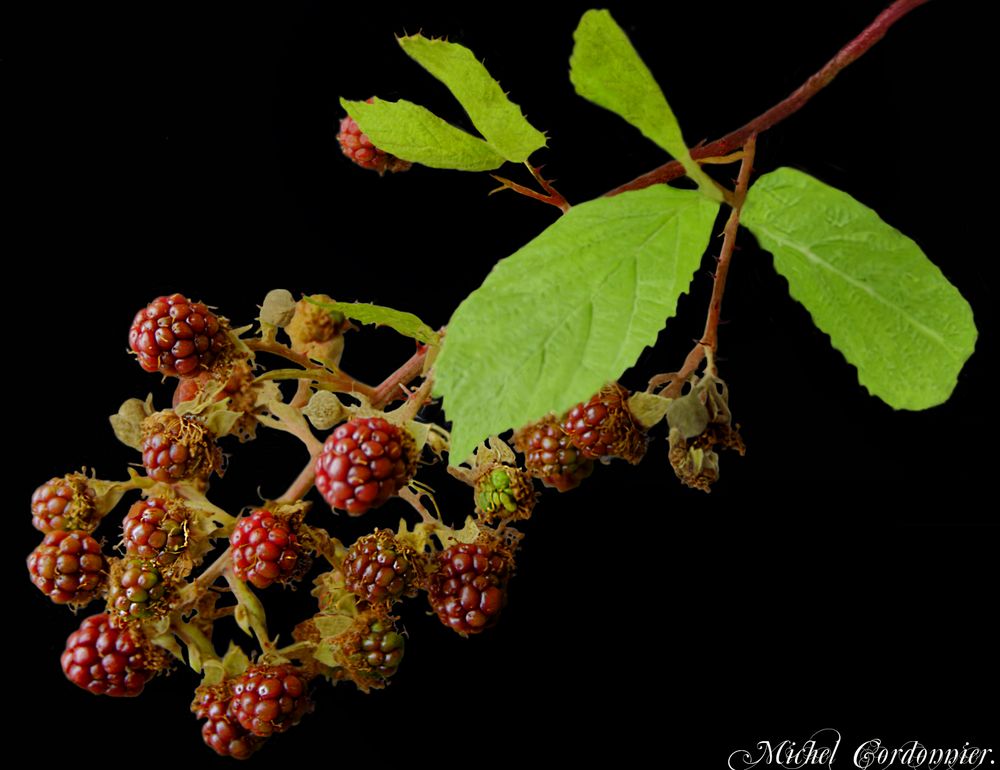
<point>707,345</point>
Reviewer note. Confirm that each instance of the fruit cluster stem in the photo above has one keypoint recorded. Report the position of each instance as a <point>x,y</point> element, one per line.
<point>389,389</point>
<point>791,104</point>
<point>710,337</point>
<point>706,346</point>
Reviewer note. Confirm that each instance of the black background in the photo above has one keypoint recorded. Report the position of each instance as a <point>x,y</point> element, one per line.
<point>840,575</point>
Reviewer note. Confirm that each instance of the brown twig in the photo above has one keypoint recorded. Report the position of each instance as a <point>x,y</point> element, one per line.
<point>791,104</point>
<point>710,337</point>
<point>706,346</point>
<point>389,389</point>
<point>302,484</point>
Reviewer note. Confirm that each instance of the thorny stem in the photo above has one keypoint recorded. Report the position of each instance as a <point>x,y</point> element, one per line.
<point>553,197</point>
<point>710,337</point>
<point>389,389</point>
<point>339,379</point>
<point>415,401</point>
<point>204,581</point>
<point>791,104</point>
<point>706,346</point>
<point>303,482</point>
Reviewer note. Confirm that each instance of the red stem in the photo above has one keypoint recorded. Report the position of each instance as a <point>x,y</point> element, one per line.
<point>710,338</point>
<point>791,104</point>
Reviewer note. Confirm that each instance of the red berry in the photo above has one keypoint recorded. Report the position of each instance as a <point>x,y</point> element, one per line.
<point>64,503</point>
<point>68,567</point>
<point>359,148</point>
<point>137,590</point>
<point>176,336</point>
<point>469,588</point>
<point>378,568</point>
<point>370,651</point>
<point>266,550</point>
<point>155,529</point>
<point>549,455</point>
<point>364,462</point>
<point>221,732</point>
<point>110,661</point>
<point>603,426</point>
<point>178,448</point>
<point>269,699</point>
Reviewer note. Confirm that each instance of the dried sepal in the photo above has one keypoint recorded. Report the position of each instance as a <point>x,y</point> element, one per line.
<point>127,423</point>
<point>693,454</point>
<point>278,308</point>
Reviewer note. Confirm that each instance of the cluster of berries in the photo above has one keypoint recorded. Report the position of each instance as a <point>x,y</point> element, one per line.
<point>153,609</point>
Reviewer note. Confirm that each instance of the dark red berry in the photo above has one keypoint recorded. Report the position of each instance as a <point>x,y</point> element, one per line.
<point>469,588</point>
<point>364,462</point>
<point>266,550</point>
<point>155,529</point>
<point>269,699</point>
<point>64,503</point>
<point>549,455</point>
<point>177,337</point>
<point>380,569</point>
<point>178,448</point>
<point>359,148</point>
<point>603,426</point>
<point>110,661</point>
<point>221,732</point>
<point>68,567</point>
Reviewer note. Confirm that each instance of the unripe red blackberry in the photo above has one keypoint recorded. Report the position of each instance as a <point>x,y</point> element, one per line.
<point>549,455</point>
<point>469,588</point>
<point>371,650</point>
<point>381,570</point>
<point>604,427</point>
<point>68,567</point>
<point>156,529</point>
<point>137,590</point>
<point>269,699</point>
<point>359,148</point>
<point>364,462</point>
<point>178,448</point>
<point>176,336</point>
<point>221,732</point>
<point>64,503</point>
<point>106,660</point>
<point>266,550</point>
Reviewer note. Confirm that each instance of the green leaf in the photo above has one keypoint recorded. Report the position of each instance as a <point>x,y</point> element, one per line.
<point>606,70</point>
<point>886,307</point>
<point>492,113</point>
<point>570,311</point>
<point>416,134</point>
<point>405,323</point>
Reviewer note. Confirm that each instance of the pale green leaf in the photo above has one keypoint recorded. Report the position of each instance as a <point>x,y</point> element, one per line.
<point>405,323</point>
<point>606,70</point>
<point>492,113</point>
<point>570,311</point>
<point>886,307</point>
<point>416,134</point>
